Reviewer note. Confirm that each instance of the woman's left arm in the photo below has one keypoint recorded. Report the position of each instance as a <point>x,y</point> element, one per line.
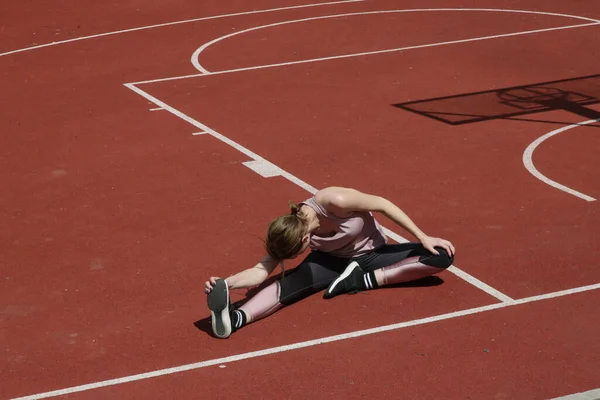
<point>343,201</point>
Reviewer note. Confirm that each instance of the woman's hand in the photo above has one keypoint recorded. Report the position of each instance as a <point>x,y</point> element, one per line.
<point>430,243</point>
<point>210,283</point>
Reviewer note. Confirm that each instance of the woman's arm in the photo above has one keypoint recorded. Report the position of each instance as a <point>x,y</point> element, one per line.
<point>249,277</point>
<point>344,201</point>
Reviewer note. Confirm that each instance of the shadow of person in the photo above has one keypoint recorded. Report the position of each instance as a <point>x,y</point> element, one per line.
<point>204,326</point>
<point>428,281</point>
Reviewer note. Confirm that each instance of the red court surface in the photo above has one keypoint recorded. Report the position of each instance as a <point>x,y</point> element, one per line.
<point>125,161</point>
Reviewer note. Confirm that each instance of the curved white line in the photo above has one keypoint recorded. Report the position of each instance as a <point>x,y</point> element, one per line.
<point>199,67</point>
<point>341,56</point>
<point>528,154</point>
<point>173,23</point>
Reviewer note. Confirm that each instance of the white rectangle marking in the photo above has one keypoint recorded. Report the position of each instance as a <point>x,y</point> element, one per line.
<point>263,168</point>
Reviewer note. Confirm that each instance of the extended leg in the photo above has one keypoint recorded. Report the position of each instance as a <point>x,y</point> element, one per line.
<point>311,276</point>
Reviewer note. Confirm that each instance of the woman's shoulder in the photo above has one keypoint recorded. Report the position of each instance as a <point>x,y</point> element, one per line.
<point>333,199</point>
<point>332,193</point>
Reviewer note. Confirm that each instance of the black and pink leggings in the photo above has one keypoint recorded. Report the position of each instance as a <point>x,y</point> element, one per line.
<point>400,263</point>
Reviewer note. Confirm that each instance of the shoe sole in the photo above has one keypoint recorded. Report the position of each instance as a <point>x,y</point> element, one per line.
<point>218,303</point>
<point>351,267</point>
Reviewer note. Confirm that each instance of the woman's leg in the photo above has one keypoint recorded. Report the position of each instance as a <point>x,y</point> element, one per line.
<point>315,273</point>
<point>388,265</point>
<point>404,263</point>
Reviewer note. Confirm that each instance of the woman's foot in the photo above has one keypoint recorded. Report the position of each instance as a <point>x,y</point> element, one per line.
<point>218,302</point>
<point>350,281</point>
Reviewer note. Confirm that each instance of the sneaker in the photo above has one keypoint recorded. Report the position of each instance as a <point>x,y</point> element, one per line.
<point>348,282</point>
<point>218,302</point>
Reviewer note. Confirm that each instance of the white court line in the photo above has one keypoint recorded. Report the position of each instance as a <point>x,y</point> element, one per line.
<point>222,138</point>
<point>195,56</point>
<point>263,168</point>
<point>175,23</point>
<point>589,395</point>
<point>308,343</point>
<point>367,53</point>
<point>267,169</point>
<point>528,160</point>
<point>421,46</point>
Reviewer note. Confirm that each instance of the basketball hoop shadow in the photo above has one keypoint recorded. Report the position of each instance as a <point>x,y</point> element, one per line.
<point>571,95</point>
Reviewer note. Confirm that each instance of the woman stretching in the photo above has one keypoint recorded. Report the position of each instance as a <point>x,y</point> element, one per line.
<point>348,254</point>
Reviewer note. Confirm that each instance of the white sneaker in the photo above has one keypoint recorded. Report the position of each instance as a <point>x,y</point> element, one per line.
<point>218,302</point>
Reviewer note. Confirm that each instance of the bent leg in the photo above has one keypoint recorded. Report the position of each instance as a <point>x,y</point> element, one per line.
<point>407,270</point>
<point>403,263</point>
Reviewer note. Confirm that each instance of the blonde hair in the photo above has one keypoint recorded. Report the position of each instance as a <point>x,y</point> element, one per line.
<point>284,236</point>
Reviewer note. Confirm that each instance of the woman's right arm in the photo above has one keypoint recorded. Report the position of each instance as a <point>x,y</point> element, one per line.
<point>249,277</point>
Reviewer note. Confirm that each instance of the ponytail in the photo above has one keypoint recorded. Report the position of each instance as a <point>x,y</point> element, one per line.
<point>285,233</point>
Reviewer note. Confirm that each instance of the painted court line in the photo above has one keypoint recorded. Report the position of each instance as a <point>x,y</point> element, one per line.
<point>367,53</point>
<point>423,46</point>
<point>481,285</point>
<point>267,169</point>
<point>263,167</point>
<point>195,62</point>
<point>308,343</point>
<point>589,395</point>
<point>275,171</point>
<point>528,161</point>
<point>175,23</point>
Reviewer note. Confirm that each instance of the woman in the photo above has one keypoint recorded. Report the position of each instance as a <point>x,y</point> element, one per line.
<point>348,254</point>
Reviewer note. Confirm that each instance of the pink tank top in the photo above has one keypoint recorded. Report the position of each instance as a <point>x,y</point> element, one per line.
<point>354,236</point>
